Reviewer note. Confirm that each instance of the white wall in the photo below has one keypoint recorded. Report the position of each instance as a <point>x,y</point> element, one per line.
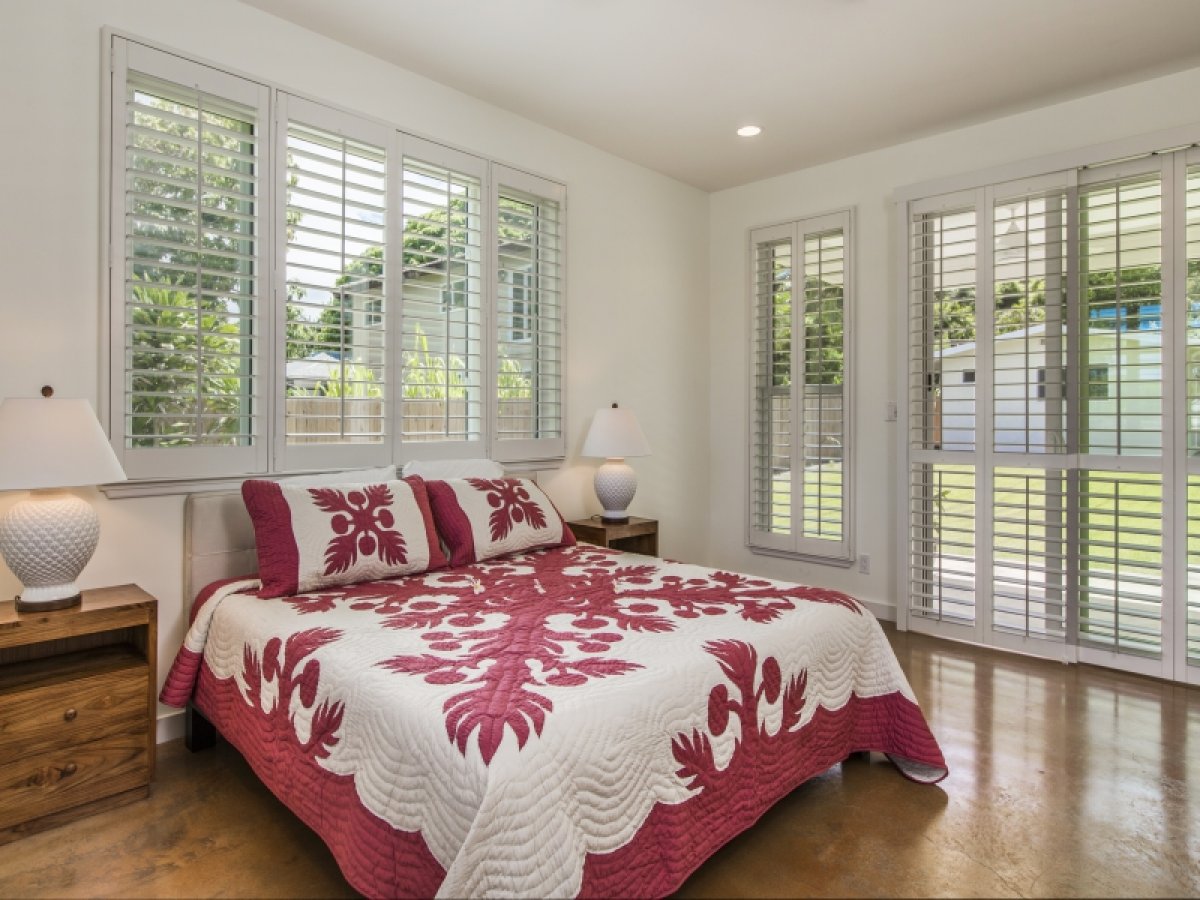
<point>867,182</point>
<point>636,287</point>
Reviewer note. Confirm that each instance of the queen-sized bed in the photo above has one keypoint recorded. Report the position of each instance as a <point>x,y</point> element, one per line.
<point>568,720</point>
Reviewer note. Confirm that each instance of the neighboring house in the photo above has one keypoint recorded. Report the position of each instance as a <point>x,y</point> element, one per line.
<point>1123,372</point>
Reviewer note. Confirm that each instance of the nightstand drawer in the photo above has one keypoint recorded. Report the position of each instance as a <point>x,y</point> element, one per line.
<point>42,783</point>
<point>71,711</point>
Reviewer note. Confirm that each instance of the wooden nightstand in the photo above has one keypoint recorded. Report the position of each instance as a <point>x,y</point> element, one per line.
<point>77,708</point>
<point>635,536</point>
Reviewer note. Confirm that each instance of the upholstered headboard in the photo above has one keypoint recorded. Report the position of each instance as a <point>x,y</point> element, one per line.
<point>218,540</point>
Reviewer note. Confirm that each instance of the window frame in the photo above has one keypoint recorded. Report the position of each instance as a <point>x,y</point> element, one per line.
<point>182,469</point>
<point>796,545</point>
<point>526,186</point>
<point>1168,153</point>
<point>154,463</point>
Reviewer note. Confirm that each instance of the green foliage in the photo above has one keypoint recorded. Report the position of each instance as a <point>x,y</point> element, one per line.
<point>185,362</point>
<point>823,333</point>
<point>349,382</point>
<point>428,376</point>
<point>189,332</point>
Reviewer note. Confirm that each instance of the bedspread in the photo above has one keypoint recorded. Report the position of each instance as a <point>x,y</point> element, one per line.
<point>568,721</point>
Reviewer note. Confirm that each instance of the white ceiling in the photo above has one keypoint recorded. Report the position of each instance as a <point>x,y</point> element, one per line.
<point>664,83</point>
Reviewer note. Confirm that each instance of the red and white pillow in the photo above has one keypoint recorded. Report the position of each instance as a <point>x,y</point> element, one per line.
<point>482,518</point>
<point>313,537</point>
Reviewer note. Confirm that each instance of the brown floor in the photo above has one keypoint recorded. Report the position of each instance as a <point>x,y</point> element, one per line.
<point>1065,781</point>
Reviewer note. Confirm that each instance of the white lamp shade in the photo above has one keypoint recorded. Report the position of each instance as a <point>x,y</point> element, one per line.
<point>615,434</point>
<point>51,443</point>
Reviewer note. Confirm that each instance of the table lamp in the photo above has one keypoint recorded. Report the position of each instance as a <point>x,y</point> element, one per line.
<point>615,435</point>
<point>46,446</point>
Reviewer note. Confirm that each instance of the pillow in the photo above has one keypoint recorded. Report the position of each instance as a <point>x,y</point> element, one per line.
<point>482,518</point>
<point>453,468</point>
<point>350,476</point>
<point>312,537</point>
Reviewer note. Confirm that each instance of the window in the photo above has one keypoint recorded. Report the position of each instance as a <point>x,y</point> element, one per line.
<point>1047,513</point>
<point>800,472</point>
<point>187,255</point>
<point>295,287</point>
<point>335,272</point>
<point>443,340</point>
<point>529,317</point>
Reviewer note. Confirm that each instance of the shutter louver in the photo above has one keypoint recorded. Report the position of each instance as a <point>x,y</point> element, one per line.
<point>337,313</point>
<point>191,267</point>
<point>442,326</point>
<point>529,318</point>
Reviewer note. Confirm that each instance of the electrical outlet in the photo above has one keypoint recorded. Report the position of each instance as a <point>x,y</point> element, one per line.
<point>864,564</point>
<point>891,411</point>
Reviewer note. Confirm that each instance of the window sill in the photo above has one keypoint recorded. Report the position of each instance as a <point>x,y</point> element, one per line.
<point>167,487</point>
<point>838,561</point>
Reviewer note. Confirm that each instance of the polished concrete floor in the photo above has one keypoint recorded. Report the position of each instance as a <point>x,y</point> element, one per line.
<point>1065,781</point>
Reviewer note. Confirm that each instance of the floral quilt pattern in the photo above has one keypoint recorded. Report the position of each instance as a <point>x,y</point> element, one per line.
<point>495,691</point>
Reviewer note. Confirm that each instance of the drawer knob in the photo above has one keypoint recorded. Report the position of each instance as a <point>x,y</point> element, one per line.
<point>69,768</point>
<point>70,714</point>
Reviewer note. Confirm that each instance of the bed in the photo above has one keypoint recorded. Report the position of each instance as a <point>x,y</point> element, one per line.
<point>564,721</point>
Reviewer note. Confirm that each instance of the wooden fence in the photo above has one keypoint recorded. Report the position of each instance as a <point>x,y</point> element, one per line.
<point>329,420</point>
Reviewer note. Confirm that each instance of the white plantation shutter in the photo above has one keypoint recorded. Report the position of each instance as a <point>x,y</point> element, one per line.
<point>334,212</point>
<point>799,476</point>
<point>1030,587</point>
<point>1120,272</point>
<point>1029,345</point>
<point>290,290</point>
<point>1120,524</point>
<point>1120,512</point>
<point>528,390</point>
<point>1191,375</point>
<point>942,384</point>
<point>1192,586</point>
<point>823,407</point>
<point>771,433</point>
<point>941,506</point>
<point>1055,427</point>
<point>442,331</point>
<point>187,279</point>
<point>942,330</point>
<point>1030,569</point>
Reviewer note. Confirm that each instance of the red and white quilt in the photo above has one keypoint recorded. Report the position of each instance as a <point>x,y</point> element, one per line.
<point>566,721</point>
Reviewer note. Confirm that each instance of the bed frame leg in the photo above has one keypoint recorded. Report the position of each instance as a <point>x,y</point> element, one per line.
<point>200,733</point>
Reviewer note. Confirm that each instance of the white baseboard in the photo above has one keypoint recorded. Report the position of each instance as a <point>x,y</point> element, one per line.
<point>170,724</point>
<point>884,612</point>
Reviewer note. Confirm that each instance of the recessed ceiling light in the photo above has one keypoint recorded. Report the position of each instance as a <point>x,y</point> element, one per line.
<point>749,131</point>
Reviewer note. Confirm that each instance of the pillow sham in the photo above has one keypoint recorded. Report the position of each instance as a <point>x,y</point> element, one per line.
<point>482,518</point>
<point>453,468</point>
<point>312,537</point>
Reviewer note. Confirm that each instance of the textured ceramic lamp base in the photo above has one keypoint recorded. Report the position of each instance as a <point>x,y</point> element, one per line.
<point>47,539</point>
<point>615,484</point>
